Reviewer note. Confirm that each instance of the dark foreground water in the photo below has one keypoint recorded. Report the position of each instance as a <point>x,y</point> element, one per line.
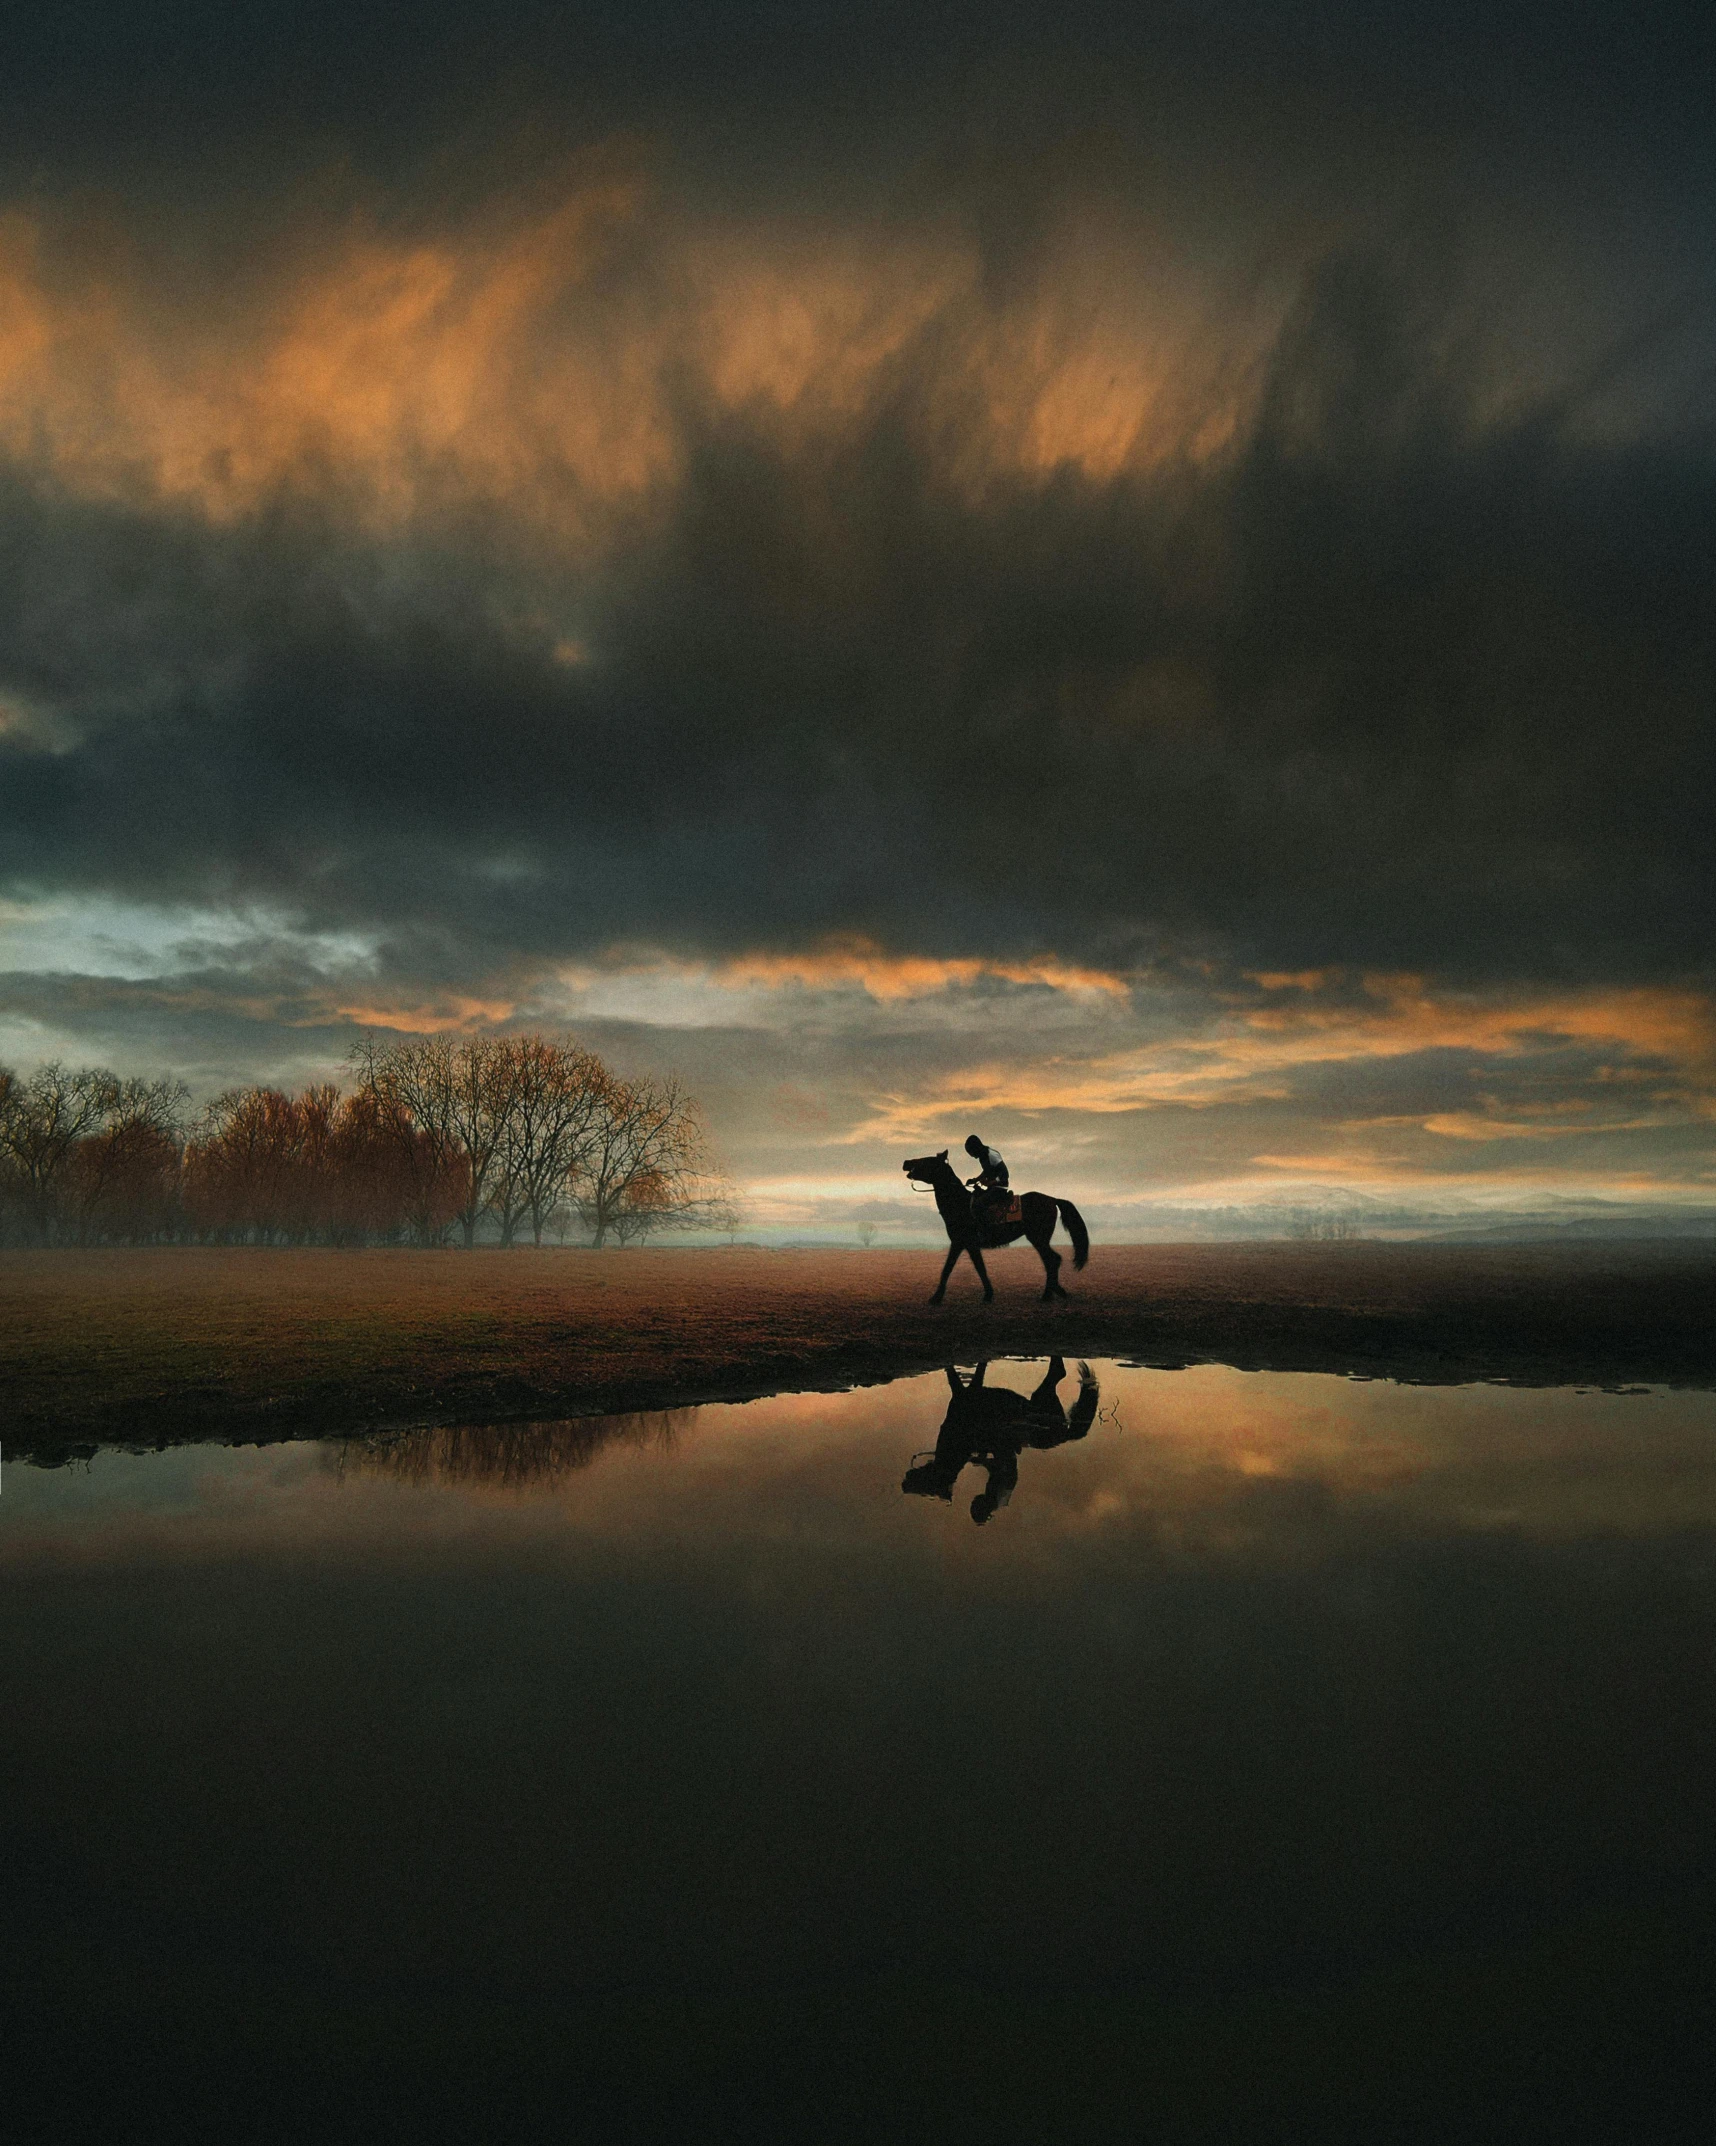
<point>1281,1757</point>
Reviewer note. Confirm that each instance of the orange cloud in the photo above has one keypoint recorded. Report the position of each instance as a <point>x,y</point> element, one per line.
<point>1401,1014</point>
<point>397,368</point>
<point>542,360</point>
<point>1475,1125</point>
<point>1245,1058</point>
<point>848,962</point>
<point>432,1018</point>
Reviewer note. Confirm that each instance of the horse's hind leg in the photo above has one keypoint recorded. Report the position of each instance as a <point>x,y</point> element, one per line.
<point>1051,1269</point>
<point>1045,1396</point>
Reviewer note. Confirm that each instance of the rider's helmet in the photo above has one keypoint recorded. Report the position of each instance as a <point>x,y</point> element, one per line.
<point>974,1146</point>
<point>983,1506</point>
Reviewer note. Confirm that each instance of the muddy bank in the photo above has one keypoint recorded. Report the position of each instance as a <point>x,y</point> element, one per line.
<point>150,1347</point>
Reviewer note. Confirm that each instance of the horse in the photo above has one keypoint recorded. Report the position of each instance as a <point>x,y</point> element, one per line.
<point>968,1232</point>
<point>993,1425</point>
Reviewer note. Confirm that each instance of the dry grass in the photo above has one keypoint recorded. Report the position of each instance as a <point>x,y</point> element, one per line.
<point>101,1346</point>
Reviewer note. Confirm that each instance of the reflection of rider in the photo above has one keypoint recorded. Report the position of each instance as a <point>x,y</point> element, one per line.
<point>991,1170</point>
<point>1003,1472</point>
<point>992,1426</point>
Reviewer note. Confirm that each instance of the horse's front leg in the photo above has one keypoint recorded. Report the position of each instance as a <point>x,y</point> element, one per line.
<point>947,1267</point>
<point>983,1275</point>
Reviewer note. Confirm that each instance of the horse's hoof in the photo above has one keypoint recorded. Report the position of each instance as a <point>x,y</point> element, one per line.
<point>936,1299</point>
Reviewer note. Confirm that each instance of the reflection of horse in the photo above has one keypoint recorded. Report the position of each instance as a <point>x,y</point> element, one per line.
<point>992,1425</point>
<point>968,1230</point>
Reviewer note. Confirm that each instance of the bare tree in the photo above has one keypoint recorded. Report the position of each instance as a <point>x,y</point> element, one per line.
<point>411,1084</point>
<point>319,1167</point>
<point>11,1182</point>
<point>405,1101</point>
<point>531,1128</point>
<point>244,1168</point>
<point>485,1077</point>
<point>387,1178</point>
<point>124,1180</point>
<point>557,1099</point>
<point>42,1120</point>
<point>458,1096</point>
<point>646,1207</point>
<point>722,1212</point>
<point>647,1163</point>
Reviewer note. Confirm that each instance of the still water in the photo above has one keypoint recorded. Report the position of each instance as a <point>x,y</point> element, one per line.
<point>1017,1753</point>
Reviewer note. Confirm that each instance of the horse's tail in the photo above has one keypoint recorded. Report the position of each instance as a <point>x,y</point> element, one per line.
<point>1076,1231</point>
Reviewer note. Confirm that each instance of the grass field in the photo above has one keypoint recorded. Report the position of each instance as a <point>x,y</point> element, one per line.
<point>151,1346</point>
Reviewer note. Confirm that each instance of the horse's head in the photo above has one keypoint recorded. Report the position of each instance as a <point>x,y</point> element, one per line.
<point>924,1169</point>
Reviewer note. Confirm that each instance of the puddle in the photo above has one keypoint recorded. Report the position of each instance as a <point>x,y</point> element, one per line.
<point>1233,1688</point>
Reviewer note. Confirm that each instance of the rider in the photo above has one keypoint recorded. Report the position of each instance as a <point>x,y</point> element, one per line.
<point>991,1170</point>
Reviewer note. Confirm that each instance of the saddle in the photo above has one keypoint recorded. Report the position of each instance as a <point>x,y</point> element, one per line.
<point>997,1210</point>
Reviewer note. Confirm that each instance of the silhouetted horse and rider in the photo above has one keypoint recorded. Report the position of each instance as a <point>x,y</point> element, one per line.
<point>987,1212</point>
<point>993,1425</point>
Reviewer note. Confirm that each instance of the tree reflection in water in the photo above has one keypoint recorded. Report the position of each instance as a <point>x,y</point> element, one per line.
<point>992,1425</point>
<point>506,1456</point>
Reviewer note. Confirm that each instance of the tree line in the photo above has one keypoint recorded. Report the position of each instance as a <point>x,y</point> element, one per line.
<point>435,1139</point>
<point>1322,1225</point>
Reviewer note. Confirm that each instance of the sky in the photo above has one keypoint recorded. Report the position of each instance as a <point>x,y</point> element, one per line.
<point>1136,580</point>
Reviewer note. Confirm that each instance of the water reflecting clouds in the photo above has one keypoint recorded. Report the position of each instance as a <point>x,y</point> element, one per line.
<point>1390,1705</point>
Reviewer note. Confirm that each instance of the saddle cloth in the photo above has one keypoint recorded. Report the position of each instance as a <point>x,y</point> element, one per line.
<point>998,1210</point>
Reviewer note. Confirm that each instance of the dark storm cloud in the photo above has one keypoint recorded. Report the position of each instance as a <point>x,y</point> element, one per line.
<point>214,1031</point>
<point>1392,686</point>
<point>149,70</point>
<point>1409,674</point>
